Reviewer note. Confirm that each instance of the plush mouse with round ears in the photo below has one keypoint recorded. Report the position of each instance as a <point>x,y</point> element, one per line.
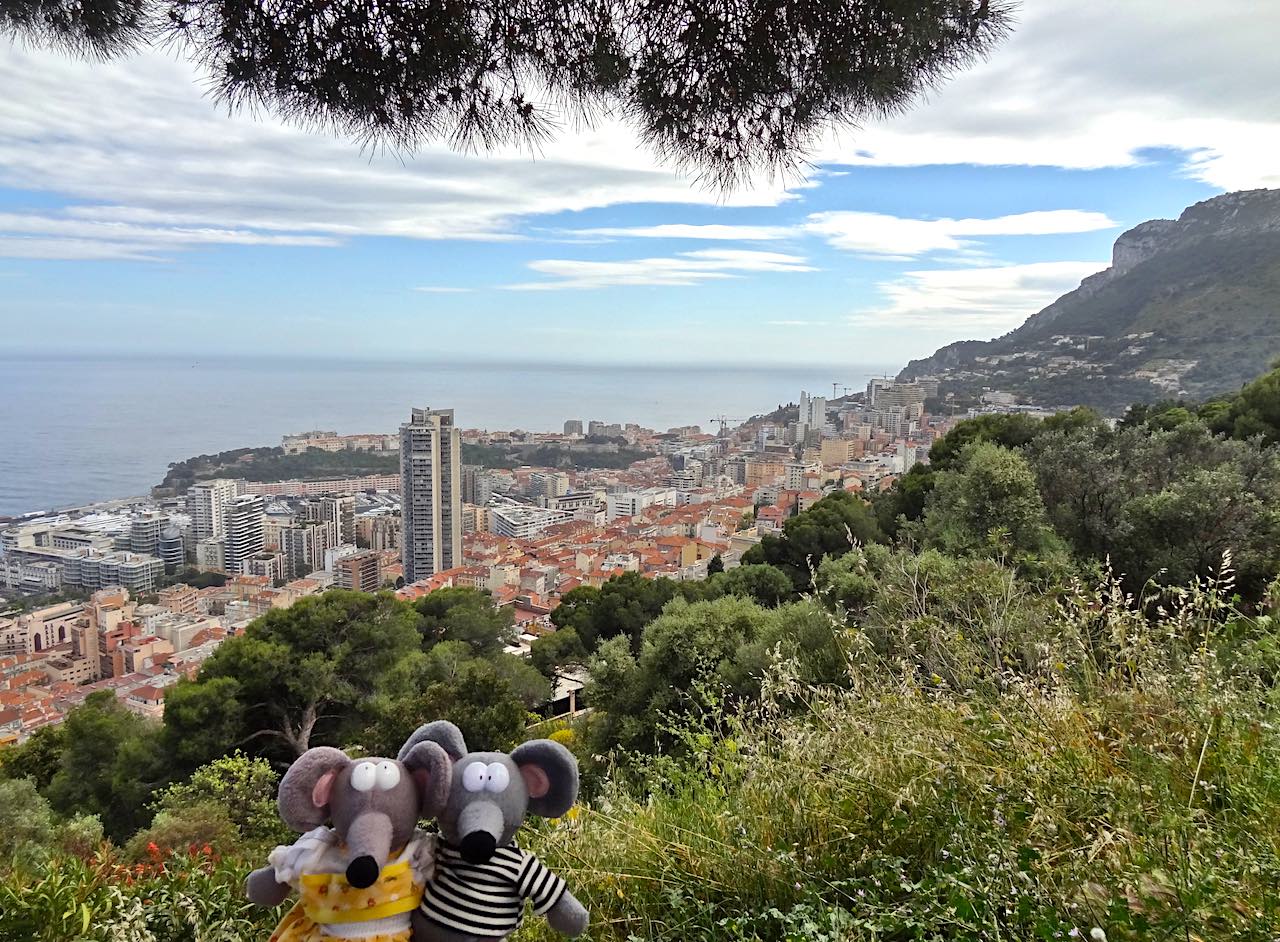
<point>373,803</point>
<point>482,878</point>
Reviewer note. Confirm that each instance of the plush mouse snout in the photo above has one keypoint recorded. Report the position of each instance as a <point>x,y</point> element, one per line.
<point>363,872</point>
<point>478,846</point>
<point>368,839</point>
<point>480,827</point>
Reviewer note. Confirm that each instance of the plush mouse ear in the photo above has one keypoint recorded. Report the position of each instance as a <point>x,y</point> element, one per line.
<point>306,788</point>
<point>551,775</point>
<point>443,733</point>
<point>432,769</point>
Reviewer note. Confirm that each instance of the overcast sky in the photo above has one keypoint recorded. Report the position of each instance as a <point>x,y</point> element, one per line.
<point>135,215</point>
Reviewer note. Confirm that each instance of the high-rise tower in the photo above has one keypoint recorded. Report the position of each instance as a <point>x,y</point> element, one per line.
<point>430,493</point>
<point>207,503</point>
<point>244,532</point>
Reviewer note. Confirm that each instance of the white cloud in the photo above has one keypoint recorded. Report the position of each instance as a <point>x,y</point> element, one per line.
<point>88,249</point>
<point>877,234</point>
<point>135,143</point>
<point>723,233</point>
<point>687,268</point>
<point>1092,83</point>
<point>33,235</point>
<point>1081,84</point>
<point>964,300</point>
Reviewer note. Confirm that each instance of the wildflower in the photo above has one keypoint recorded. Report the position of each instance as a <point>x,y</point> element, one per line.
<point>1097,935</point>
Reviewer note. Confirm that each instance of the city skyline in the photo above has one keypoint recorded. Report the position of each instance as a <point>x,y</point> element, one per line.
<point>135,215</point>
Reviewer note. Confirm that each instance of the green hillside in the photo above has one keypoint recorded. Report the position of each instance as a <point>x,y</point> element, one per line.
<point>1190,309</point>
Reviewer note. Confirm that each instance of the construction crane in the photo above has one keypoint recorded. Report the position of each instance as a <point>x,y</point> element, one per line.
<point>724,420</point>
<point>843,386</point>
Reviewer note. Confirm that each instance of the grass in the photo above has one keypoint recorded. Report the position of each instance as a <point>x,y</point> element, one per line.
<point>1070,769</point>
<point>1122,775</point>
<point>910,815</point>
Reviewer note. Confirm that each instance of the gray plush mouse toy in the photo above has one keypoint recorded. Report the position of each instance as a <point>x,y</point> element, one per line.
<point>362,877</point>
<point>482,878</point>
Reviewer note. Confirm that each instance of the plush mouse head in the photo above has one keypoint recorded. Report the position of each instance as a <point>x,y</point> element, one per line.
<point>374,803</point>
<point>490,793</point>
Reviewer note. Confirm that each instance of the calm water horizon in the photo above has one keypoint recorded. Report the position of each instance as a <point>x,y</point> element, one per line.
<point>75,430</point>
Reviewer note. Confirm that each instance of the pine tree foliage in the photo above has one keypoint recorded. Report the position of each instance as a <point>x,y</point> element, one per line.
<point>720,88</point>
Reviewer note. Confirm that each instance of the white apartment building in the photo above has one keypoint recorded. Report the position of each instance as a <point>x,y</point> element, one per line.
<point>244,532</point>
<point>522,521</point>
<point>207,503</point>
<point>430,493</point>
<point>548,484</point>
<point>211,555</point>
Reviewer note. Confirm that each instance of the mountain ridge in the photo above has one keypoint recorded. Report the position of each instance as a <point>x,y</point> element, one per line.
<point>1189,307</point>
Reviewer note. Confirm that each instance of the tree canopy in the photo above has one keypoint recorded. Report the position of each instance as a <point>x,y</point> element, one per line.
<point>1255,411</point>
<point>465,614</point>
<point>989,503</point>
<point>310,666</point>
<point>830,527</point>
<point>716,88</point>
<point>622,606</point>
<point>111,761</point>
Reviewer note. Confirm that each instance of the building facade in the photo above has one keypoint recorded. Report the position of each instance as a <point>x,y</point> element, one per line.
<point>430,493</point>
<point>171,549</point>
<point>145,531</point>
<point>303,547</point>
<point>339,513</point>
<point>360,571</point>
<point>244,537</point>
<point>207,503</point>
<point>548,484</point>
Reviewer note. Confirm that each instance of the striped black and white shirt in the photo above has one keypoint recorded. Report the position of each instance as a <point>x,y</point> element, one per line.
<point>488,899</point>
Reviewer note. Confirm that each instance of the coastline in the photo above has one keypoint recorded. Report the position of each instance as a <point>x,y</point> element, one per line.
<point>125,420</point>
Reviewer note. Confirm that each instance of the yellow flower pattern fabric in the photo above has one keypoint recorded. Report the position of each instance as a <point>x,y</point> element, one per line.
<point>328,906</point>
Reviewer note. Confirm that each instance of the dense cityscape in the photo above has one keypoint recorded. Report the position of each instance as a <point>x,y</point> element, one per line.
<point>148,587</point>
<point>624,471</point>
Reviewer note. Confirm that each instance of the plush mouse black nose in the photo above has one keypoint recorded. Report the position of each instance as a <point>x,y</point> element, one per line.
<point>477,847</point>
<point>362,872</point>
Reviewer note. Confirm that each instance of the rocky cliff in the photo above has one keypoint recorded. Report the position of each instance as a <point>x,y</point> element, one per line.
<point>1189,307</point>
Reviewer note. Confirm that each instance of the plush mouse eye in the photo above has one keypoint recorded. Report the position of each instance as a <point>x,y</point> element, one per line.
<point>474,777</point>
<point>363,776</point>
<point>388,776</point>
<point>499,777</point>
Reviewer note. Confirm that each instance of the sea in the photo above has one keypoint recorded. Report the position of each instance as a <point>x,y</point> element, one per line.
<point>78,430</point>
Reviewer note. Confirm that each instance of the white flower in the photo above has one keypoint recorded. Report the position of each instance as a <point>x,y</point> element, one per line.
<point>1097,935</point>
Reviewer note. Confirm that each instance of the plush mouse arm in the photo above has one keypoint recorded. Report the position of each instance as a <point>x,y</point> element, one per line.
<point>270,885</point>
<point>263,889</point>
<point>568,916</point>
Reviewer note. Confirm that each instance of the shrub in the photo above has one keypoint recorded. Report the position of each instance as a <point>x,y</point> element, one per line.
<point>197,825</point>
<point>184,898</point>
<point>243,789</point>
